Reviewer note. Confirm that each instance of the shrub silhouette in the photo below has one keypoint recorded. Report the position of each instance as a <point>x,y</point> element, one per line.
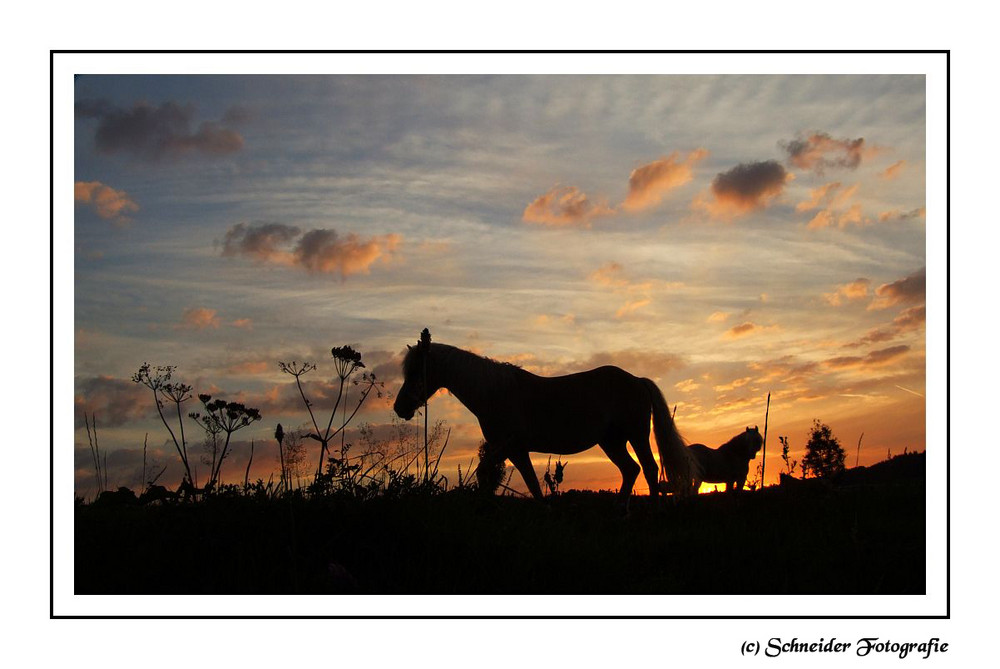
<point>824,455</point>
<point>492,468</point>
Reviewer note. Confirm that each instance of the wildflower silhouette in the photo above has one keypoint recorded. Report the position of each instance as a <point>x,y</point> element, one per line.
<point>346,362</point>
<point>158,380</point>
<point>222,417</point>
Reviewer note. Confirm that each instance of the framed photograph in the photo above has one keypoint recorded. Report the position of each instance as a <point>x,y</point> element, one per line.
<point>498,334</point>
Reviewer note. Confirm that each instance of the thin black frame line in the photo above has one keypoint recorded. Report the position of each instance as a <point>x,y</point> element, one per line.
<point>501,51</point>
<point>946,615</point>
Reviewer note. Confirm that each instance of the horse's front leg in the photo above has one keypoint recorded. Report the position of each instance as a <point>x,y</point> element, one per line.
<point>522,462</point>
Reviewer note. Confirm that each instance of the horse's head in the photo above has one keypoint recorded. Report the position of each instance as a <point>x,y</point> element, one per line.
<point>418,378</point>
<point>753,442</point>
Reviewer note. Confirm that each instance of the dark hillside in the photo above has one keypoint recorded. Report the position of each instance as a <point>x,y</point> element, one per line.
<point>832,539</point>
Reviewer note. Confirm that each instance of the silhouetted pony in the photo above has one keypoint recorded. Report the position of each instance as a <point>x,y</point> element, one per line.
<point>728,463</point>
<point>520,412</point>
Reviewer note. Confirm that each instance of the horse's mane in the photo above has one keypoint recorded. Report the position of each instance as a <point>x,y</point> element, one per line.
<point>737,443</point>
<point>732,442</point>
<point>462,362</point>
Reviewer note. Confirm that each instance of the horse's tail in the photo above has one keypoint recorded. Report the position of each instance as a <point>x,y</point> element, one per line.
<point>675,461</point>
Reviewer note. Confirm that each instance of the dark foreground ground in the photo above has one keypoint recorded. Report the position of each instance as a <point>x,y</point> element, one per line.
<point>864,535</point>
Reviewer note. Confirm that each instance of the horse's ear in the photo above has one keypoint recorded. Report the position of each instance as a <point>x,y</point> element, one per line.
<point>409,348</point>
<point>755,429</point>
<point>748,429</point>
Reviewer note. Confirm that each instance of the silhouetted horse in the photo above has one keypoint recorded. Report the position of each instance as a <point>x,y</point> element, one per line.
<point>520,412</point>
<point>728,463</point>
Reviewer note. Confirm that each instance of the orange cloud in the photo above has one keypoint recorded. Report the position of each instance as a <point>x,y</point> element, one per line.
<point>853,215</point>
<point>893,170</point>
<point>647,185</point>
<point>910,289</point>
<point>631,306</point>
<point>243,323</point>
<point>320,250</point>
<point>200,318</point>
<point>718,317</point>
<point>819,151</point>
<point>108,203</point>
<point>252,367</point>
<point>742,329</point>
<point>900,215</point>
<point>609,275</point>
<point>733,385</point>
<point>743,189</point>
<point>687,385</point>
<point>855,290</point>
<point>565,206</point>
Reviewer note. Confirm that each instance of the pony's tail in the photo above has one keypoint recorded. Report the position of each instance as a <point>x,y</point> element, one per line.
<point>676,462</point>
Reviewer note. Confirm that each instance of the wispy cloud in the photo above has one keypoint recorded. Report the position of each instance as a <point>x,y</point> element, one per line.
<point>154,132</point>
<point>909,319</point>
<point>875,358</point>
<point>718,317</point>
<point>835,210</point>
<point>638,294</point>
<point>107,202</point>
<point>114,401</point>
<point>631,306</point>
<point>565,206</point>
<point>893,170</point>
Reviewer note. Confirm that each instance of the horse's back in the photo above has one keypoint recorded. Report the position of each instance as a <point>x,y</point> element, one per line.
<point>715,466</point>
<point>573,412</point>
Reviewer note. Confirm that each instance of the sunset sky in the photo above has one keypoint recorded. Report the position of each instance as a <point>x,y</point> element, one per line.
<point>726,236</point>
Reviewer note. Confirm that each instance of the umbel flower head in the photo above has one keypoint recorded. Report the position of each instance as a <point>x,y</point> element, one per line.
<point>347,360</point>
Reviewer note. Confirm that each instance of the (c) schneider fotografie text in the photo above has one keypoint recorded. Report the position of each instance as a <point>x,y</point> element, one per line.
<point>863,647</point>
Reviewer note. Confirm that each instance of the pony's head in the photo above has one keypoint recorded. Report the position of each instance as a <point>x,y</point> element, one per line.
<point>752,441</point>
<point>418,378</point>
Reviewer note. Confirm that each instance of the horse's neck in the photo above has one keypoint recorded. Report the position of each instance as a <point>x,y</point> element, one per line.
<point>471,379</point>
<point>733,447</point>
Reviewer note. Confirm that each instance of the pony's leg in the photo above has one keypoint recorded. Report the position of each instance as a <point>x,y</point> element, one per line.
<point>618,454</point>
<point>649,468</point>
<point>522,462</point>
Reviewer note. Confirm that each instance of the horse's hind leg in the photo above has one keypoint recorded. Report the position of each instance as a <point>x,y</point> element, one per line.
<point>522,462</point>
<point>618,454</point>
<point>649,468</point>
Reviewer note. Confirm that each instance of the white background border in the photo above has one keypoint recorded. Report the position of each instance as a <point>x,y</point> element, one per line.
<point>932,65</point>
<point>32,30</point>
